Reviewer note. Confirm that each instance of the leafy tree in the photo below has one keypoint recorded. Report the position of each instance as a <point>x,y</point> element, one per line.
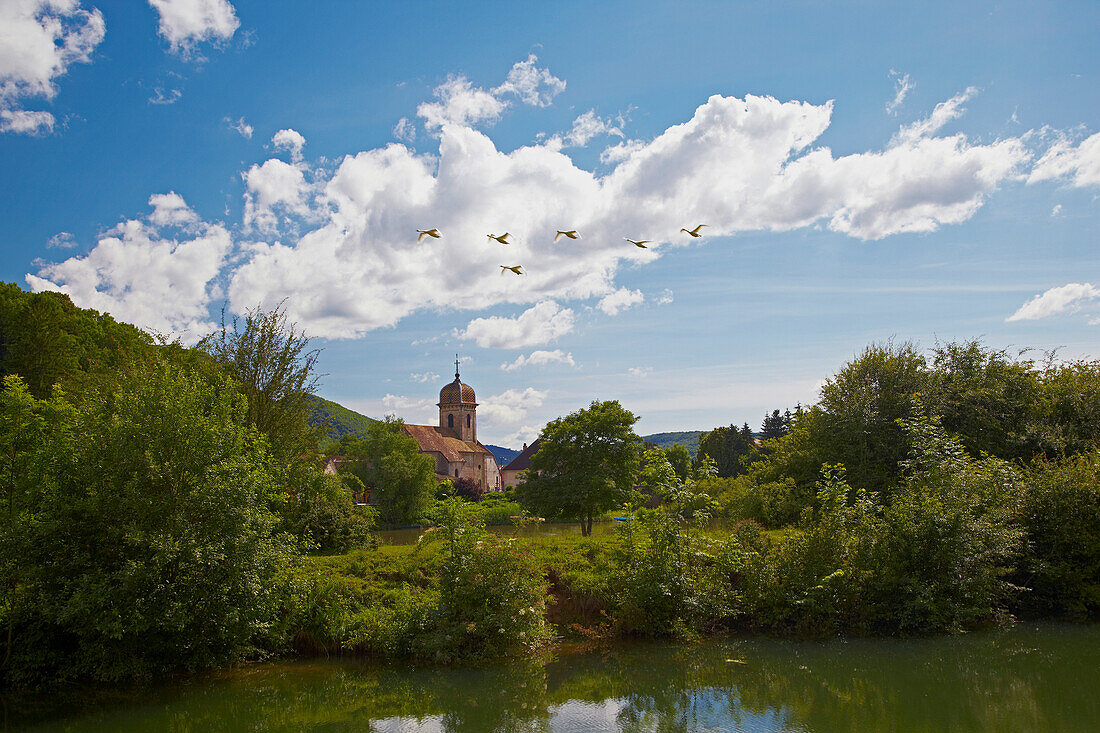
<point>728,447</point>
<point>274,365</point>
<point>1068,421</point>
<point>389,461</point>
<point>680,458</point>
<point>151,547</point>
<point>585,464</point>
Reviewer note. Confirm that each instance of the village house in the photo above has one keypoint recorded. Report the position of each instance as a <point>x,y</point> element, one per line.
<point>515,473</point>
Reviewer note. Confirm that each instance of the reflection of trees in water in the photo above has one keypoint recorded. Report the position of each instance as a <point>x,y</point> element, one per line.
<point>1020,680</point>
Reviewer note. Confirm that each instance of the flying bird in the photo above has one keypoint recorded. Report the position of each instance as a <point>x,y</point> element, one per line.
<point>641,244</point>
<point>572,234</point>
<point>430,232</point>
<point>503,238</point>
<point>514,268</point>
<point>694,232</point>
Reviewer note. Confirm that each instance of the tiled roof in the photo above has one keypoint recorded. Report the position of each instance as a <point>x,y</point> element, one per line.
<point>456,392</point>
<point>443,440</point>
<point>522,462</point>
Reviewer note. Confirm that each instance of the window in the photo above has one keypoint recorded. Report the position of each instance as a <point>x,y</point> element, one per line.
<point>450,421</point>
<point>456,473</point>
<point>467,421</point>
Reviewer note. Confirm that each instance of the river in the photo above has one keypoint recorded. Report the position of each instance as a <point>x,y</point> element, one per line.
<point>1028,678</point>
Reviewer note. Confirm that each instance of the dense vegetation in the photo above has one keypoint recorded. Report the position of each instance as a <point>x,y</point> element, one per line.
<point>337,420</point>
<point>164,509</point>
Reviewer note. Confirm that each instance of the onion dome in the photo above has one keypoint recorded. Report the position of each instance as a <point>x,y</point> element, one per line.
<point>456,392</point>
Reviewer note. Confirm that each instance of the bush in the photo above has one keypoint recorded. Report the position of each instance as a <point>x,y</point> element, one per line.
<point>323,515</point>
<point>1060,514</point>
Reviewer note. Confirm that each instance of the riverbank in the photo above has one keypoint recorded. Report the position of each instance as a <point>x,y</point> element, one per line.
<point>1029,677</point>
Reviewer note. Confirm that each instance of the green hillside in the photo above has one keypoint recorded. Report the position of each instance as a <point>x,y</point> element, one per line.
<point>341,421</point>
<point>687,438</point>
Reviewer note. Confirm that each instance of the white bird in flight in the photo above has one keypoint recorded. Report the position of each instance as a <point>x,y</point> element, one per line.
<point>503,238</point>
<point>642,243</point>
<point>514,268</point>
<point>694,232</point>
<point>572,234</point>
<point>430,232</point>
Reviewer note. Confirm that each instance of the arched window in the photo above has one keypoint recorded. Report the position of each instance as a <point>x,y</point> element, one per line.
<point>467,421</point>
<point>456,473</point>
<point>450,421</point>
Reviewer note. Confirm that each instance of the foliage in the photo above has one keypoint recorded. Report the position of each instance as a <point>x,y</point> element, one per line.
<point>728,448</point>
<point>389,462</point>
<point>271,361</point>
<point>776,425</point>
<point>680,459</point>
<point>336,419</point>
<point>585,464</point>
<point>467,488</point>
<point>322,514</point>
<point>1069,409</point>
<point>1060,514</point>
<point>687,438</point>
<point>146,543</point>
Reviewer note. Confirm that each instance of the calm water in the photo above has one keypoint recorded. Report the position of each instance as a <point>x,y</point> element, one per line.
<point>1027,679</point>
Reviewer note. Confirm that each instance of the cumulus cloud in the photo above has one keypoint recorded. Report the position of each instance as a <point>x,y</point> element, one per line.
<point>459,102</point>
<point>640,371</point>
<point>522,436</point>
<point>140,276</point>
<point>665,297</point>
<point>272,188</point>
<point>290,140</point>
<point>539,358</point>
<point>187,23</point>
<point>620,300</point>
<point>509,407</point>
<point>1056,210</point>
<point>943,113</point>
<point>738,164</point>
<point>424,377</point>
<point>1056,300</point>
<point>537,325</point>
<point>244,129</point>
<point>39,40</point>
<point>586,127</point>
<point>404,130</point>
<point>61,240</point>
<point>1079,163</point>
<point>902,86</point>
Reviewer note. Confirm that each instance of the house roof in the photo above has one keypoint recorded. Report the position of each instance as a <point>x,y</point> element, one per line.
<point>522,462</point>
<point>445,441</point>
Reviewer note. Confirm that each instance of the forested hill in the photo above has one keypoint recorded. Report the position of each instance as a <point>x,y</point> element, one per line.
<point>504,456</point>
<point>341,421</point>
<point>687,438</point>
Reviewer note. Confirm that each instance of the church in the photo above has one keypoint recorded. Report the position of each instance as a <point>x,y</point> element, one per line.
<point>453,443</point>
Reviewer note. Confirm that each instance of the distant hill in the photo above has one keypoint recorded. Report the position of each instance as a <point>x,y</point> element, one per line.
<point>504,456</point>
<point>687,438</point>
<point>342,421</point>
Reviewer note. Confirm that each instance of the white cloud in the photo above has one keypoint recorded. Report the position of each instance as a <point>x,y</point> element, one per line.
<point>291,140</point>
<point>620,151</point>
<point>25,122</point>
<point>162,96</point>
<point>665,297</point>
<point>509,407</point>
<point>1056,300</point>
<point>539,358</point>
<point>539,324</point>
<point>413,410</point>
<point>534,86</point>
<point>739,165</point>
<point>620,300</point>
<point>902,86</point>
<point>424,377</point>
<point>404,130</point>
<point>187,23</point>
<point>1079,163</point>
<point>61,240</point>
<point>273,187</point>
<point>523,436</point>
<point>39,39</point>
<point>244,129</point>
<point>141,277</point>
<point>460,103</point>
<point>943,113</point>
<point>640,371</point>
<point>169,209</point>
<point>1056,210</point>
<point>585,127</point>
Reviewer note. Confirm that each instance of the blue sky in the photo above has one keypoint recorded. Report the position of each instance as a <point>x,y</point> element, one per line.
<point>868,171</point>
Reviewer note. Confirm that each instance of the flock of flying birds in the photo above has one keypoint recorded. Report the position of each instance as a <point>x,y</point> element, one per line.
<point>571,234</point>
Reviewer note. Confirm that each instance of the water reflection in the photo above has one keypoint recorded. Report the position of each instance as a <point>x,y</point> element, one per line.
<point>1023,679</point>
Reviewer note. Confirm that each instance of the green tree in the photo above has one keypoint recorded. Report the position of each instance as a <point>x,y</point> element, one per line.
<point>586,464</point>
<point>727,447</point>
<point>274,365</point>
<point>150,546</point>
<point>389,462</point>
<point>775,425</point>
<point>680,458</point>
